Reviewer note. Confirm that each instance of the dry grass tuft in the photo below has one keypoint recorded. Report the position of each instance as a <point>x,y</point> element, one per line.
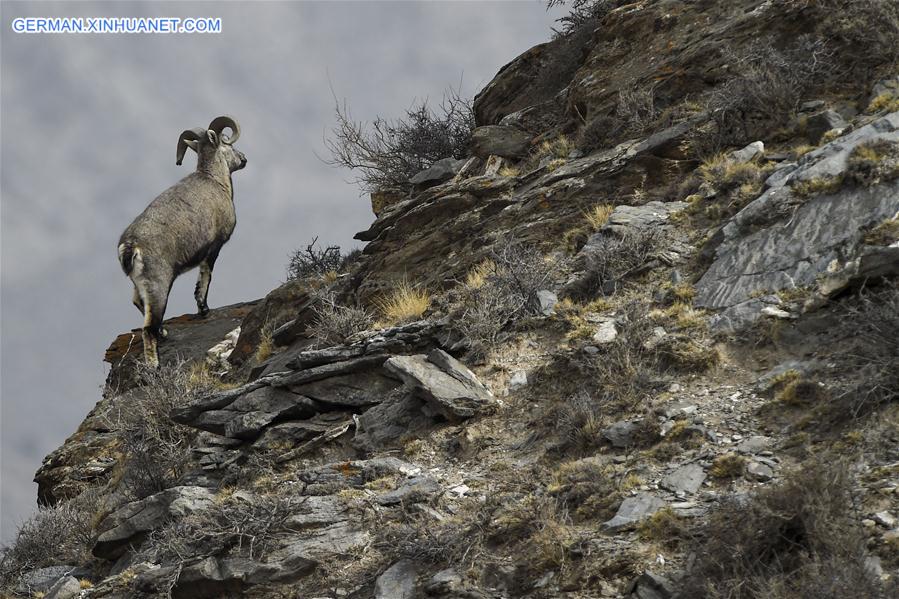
<point>598,215</point>
<point>872,163</point>
<point>886,233</point>
<point>266,344</point>
<point>816,186</point>
<point>478,275</point>
<point>664,527</point>
<point>405,303</point>
<point>885,102</point>
<point>729,465</point>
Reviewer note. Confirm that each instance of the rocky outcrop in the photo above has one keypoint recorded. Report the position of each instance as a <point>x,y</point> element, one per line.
<point>783,240</point>
<point>507,142</point>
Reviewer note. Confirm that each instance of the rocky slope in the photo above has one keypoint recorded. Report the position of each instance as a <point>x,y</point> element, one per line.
<point>656,354</point>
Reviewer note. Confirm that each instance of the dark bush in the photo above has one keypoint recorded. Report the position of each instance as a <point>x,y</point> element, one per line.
<point>764,92</point>
<point>612,258</point>
<point>387,153</point>
<point>61,534</point>
<point>795,540</point>
<point>872,357</point>
<point>315,261</point>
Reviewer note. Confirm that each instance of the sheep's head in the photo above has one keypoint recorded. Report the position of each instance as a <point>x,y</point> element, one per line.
<point>212,147</point>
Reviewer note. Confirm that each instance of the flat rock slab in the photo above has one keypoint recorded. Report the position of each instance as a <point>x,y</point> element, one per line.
<point>442,170</point>
<point>189,337</point>
<point>633,510</point>
<point>397,581</point>
<point>780,241</point>
<point>129,523</point>
<point>686,479</point>
<point>444,382</point>
<point>755,444</point>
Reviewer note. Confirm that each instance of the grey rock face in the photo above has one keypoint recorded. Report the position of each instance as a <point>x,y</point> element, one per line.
<point>545,301</point>
<point>686,479</point>
<point>130,522</point>
<point>633,510</point>
<point>605,332</point>
<point>820,123</point>
<point>651,586</point>
<point>652,215</point>
<point>444,382</point>
<point>385,424</point>
<point>622,434</point>
<point>758,471</point>
<point>778,242</point>
<point>498,140</point>
<point>748,153</point>
<point>740,316</point>
<point>42,579</point>
<point>754,444</point>
<point>442,170</point>
<point>66,587</point>
<point>397,581</point>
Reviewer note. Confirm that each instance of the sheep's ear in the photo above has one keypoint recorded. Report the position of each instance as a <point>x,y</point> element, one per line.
<point>213,137</point>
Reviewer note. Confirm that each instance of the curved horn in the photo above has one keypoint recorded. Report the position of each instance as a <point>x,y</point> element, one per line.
<point>222,122</point>
<point>187,135</point>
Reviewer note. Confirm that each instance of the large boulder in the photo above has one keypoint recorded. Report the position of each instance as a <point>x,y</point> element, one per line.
<point>783,240</point>
<point>442,170</point>
<point>444,382</point>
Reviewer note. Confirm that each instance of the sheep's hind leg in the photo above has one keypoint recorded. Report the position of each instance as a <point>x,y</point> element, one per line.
<point>154,311</point>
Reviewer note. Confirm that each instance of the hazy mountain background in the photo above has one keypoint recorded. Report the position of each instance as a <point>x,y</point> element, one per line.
<point>89,128</point>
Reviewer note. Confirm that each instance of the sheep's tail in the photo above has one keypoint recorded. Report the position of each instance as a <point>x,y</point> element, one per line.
<point>130,258</point>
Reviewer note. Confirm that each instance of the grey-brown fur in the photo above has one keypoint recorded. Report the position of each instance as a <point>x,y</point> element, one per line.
<point>184,227</point>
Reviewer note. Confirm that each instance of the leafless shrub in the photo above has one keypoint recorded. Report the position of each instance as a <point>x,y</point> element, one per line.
<point>867,31</point>
<point>390,152</point>
<point>616,380</point>
<point>507,292</point>
<point>315,261</point>
<point>335,323</point>
<point>421,539</point>
<point>61,534</point>
<point>778,542</point>
<point>157,450</point>
<point>873,359</point>
<point>636,110</point>
<point>767,88</point>
<point>598,132</point>
<point>612,258</point>
<point>584,14</point>
<point>247,526</point>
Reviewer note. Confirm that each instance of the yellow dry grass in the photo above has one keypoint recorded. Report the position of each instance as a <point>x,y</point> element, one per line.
<point>403,304</point>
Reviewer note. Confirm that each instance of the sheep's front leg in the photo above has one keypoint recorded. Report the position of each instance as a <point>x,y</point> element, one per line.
<point>201,291</point>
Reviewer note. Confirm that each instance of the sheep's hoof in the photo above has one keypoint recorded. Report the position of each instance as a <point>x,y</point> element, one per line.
<point>203,311</point>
